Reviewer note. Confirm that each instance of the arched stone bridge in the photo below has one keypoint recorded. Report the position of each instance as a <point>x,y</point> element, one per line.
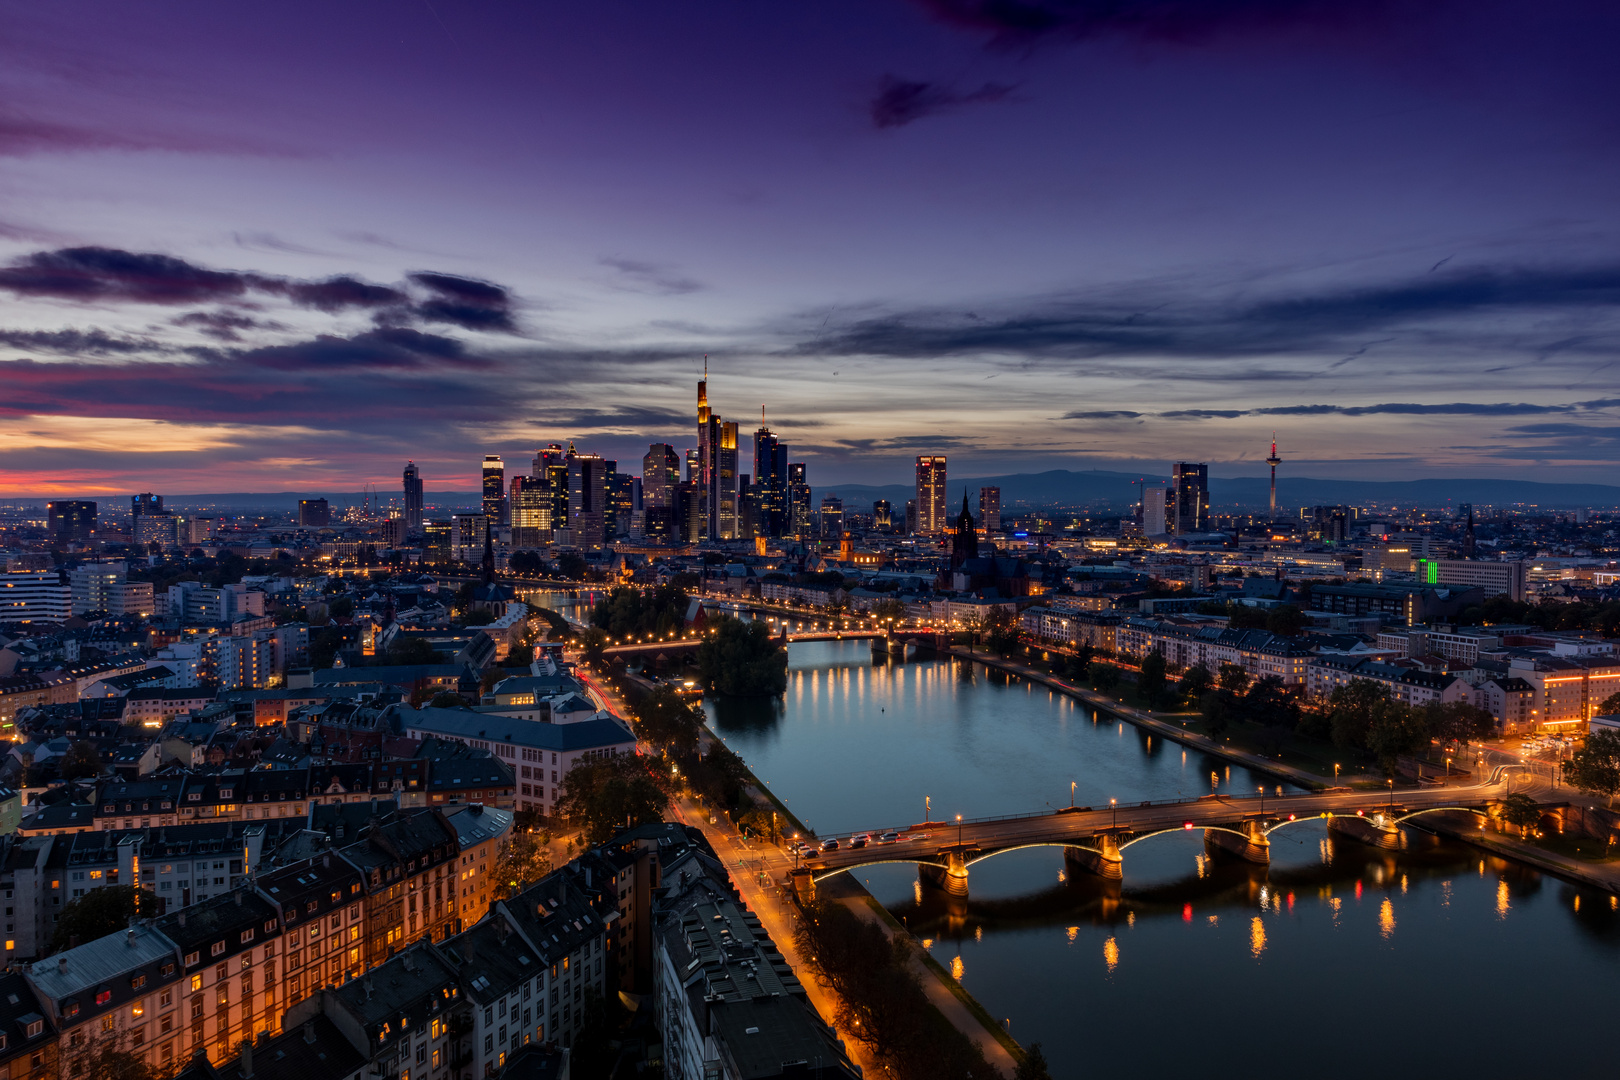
<point>1095,839</point>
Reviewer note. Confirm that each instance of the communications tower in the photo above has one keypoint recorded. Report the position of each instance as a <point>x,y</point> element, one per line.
<point>1273,461</point>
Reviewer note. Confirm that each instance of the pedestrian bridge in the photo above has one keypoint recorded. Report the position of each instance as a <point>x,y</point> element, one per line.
<point>1095,839</point>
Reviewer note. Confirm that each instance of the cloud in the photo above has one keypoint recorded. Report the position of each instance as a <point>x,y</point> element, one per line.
<point>79,342</point>
<point>899,102</point>
<point>1103,414</point>
<point>1151,319</point>
<point>224,325</point>
<point>110,275</point>
<point>465,302</point>
<point>662,279</point>
<point>102,274</point>
<point>386,347</point>
<point>1020,21</point>
<point>636,417</point>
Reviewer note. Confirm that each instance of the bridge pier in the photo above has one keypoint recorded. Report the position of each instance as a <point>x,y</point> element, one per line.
<point>1104,860</point>
<point>952,877</point>
<point>1252,845</point>
<point>1374,830</point>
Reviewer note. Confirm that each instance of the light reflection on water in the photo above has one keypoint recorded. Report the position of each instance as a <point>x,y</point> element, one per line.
<point>1329,930</point>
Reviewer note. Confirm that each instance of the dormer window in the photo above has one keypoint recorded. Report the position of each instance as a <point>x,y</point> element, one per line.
<point>35,1027</point>
<point>225,792</point>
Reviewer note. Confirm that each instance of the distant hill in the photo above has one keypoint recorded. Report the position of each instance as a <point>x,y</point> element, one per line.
<point>1061,487</point>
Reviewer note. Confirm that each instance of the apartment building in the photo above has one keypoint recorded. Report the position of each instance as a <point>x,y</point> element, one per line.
<point>1187,642</point>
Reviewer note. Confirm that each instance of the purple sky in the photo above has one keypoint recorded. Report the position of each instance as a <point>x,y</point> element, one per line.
<point>288,246</point>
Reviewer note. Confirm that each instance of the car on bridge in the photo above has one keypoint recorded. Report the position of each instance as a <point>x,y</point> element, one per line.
<point>889,838</point>
<point>830,844</point>
<point>860,840</point>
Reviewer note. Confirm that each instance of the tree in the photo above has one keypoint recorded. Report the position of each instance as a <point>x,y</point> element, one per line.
<point>1079,665</point>
<point>1195,683</point>
<point>572,566</point>
<point>1352,710</point>
<point>1218,707</point>
<point>444,699</point>
<point>742,659</point>
<point>605,795</point>
<point>1150,678</point>
<point>888,609</point>
<point>411,650</point>
<point>100,912</point>
<point>720,775</point>
<point>1285,620</point>
<point>111,1057</point>
<point>1033,1067</point>
<point>521,861</point>
<point>81,759</point>
<point>1595,767</point>
<point>1233,679</point>
<point>668,721</point>
<point>1521,811</point>
<point>1395,730</point>
<point>1001,631</point>
<point>1104,677</point>
<point>1458,721</point>
<point>593,641</point>
<point>630,610</point>
<point>1610,706</point>
<point>1269,704</point>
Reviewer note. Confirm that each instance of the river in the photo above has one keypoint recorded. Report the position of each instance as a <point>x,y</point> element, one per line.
<point>1337,959</point>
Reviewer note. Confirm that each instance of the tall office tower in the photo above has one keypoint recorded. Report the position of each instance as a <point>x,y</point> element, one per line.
<point>708,450</point>
<point>660,475</point>
<point>530,502</point>
<point>495,491</point>
<point>691,473</point>
<point>832,517</point>
<point>620,493</point>
<point>911,517</point>
<point>551,465</point>
<point>723,493</point>
<point>587,499</point>
<point>413,498</point>
<point>990,510</point>
<point>70,521</point>
<point>688,513</point>
<point>314,513</point>
<point>882,515</point>
<point>931,493</point>
<point>770,483</point>
<point>798,495</point>
<point>1155,508</point>
<point>439,541</point>
<point>1274,461</point>
<point>1191,483</point>
<point>747,507</point>
<point>146,503</point>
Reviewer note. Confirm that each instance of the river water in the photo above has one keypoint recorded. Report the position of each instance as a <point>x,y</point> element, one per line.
<point>1336,960</point>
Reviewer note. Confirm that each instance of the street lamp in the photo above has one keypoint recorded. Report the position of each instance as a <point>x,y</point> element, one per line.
<point>1391,783</point>
<point>1113,804</point>
<point>1262,800</point>
<point>1071,794</point>
<point>958,830</point>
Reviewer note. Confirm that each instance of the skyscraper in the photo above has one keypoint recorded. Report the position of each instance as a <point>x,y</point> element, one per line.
<point>770,483</point>
<point>413,498</point>
<point>529,501</point>
<point>660,475</point>
<point>70,520</point>
<point>1190,481</point>
<point>314,513</point>
<point>495,491</point>
<point>931,494</point>
<point>798,499</point>
<point>882,515</point>
<point>551,465</point>
<point>990,509</point>
<point>1155,507</point>
<point>587,499</point>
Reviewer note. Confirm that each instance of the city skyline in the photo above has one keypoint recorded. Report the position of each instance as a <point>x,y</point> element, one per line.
<point>903,227</point>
